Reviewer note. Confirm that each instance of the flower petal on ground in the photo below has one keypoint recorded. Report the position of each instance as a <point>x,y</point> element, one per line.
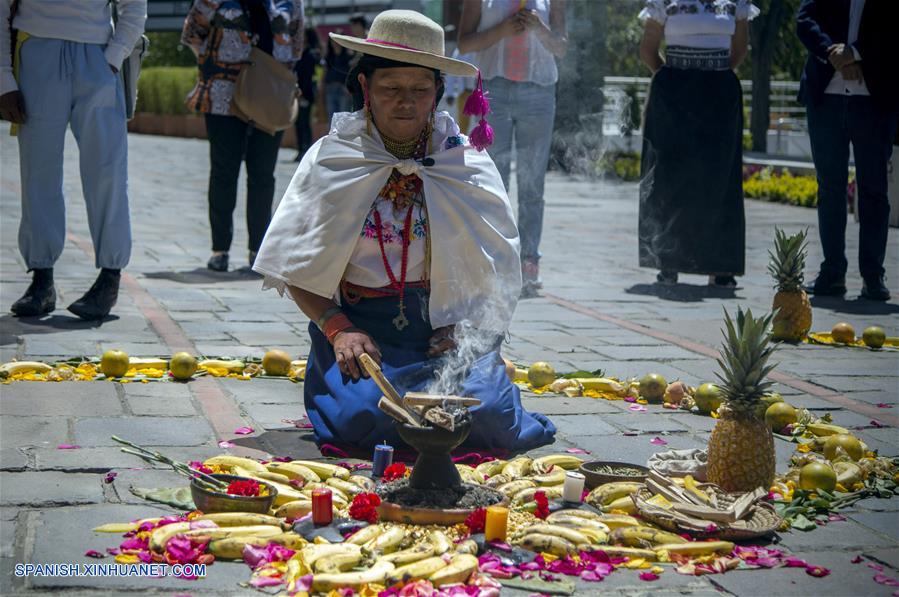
<point>244,431</point>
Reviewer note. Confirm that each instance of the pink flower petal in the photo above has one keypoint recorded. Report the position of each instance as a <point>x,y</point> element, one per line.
<point>591,576</point>
<point>794,562</point>
<point>93,553</point>
<point>110,477</point>
<point>68,447</point>
<point>226,444</point>
<point>244,431</point>
<point>835,517</point>
<point>265,581</point>
<point>282,459</point>
<point>885,580</point>
<point>630,398</point>
<point>856,560</point>
<point>577,451</point>
<point>817,571</point>
<point>884,405</point>
<point>876,567</point>
<point>658,441</point>
<point>637,408</point>
<point>649,576</point>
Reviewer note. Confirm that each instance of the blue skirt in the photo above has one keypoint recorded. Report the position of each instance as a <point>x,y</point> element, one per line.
<point>345,413</point>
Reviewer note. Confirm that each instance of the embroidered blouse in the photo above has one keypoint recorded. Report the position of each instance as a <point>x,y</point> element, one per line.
<point>219,33</point>
<point>706,24</point>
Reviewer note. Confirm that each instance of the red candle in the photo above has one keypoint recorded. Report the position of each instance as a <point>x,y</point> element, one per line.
<point>322,511</point>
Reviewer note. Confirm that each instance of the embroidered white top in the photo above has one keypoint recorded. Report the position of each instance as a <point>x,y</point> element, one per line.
<point>706,24</point>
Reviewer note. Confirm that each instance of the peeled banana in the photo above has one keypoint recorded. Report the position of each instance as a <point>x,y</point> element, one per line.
<point>14,367</point>
<point>234,366</point>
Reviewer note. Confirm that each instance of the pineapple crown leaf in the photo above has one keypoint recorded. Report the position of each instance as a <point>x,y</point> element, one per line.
<point>744,357</point>
<point>787,260</point>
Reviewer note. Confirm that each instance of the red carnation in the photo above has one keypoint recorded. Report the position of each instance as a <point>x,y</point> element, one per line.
<point>364,507</point>
<point>395,471</point>
<point>542,510</point>
<point>476,521</point>
<point>247,487</point>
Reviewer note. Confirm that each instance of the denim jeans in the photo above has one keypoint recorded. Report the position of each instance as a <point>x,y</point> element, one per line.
<point>526,110</point>
<point>834,123</point>
<point>337,98</point>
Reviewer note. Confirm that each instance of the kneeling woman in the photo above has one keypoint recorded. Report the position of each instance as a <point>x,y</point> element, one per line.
<point>394,233</point>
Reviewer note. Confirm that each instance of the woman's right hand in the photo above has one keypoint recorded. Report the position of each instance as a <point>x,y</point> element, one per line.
<point>513,25</point>
<point>349,346</point>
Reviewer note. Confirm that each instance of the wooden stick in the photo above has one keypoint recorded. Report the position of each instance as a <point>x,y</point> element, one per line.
<point>744,503</point>
<point>397,412</point>
<point>422,399</point>
<point>375,372</point>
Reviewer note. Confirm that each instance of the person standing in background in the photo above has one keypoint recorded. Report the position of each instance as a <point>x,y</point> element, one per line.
<point>515,44</point>
<point>221,34</point>
<point>305,71</point>
<point>68,55</point>
<point>850,86</point>
<point>337,65</point>
<point>691,188</point>
<point>457,90</point>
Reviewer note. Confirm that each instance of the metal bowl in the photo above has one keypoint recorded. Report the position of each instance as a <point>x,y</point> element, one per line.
<point>212,501</point>
<point>594,478</point>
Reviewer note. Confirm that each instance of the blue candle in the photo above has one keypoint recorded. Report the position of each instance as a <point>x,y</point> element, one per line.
<point>382,459</point>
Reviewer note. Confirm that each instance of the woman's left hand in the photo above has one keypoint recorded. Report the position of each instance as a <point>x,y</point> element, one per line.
<point>532,20</point>
<point>441,341</point>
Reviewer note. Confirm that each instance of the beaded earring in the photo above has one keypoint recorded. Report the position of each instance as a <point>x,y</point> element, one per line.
<point>367,108</point>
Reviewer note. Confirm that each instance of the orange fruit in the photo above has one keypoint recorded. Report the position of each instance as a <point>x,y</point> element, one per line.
<point>843,332</point>
<point>817,475</point>
<point>779,415</point>
<point>849,443</point>
<point>652,387</point>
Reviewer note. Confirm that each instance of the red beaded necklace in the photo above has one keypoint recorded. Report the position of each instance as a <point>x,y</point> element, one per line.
<point>400,321</point>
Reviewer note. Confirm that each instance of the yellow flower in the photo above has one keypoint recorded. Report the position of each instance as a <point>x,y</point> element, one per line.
<point>804,448</point>
<point>840,488</point>
<point>127,558</point>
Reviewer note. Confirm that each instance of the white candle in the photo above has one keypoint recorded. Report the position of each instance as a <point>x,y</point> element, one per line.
<point>573,488</point>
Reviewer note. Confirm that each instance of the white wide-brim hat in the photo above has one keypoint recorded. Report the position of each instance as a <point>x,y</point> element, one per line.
<point>410,37</point>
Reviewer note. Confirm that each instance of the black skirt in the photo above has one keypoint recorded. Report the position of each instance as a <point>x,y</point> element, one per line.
<point>691,190</point>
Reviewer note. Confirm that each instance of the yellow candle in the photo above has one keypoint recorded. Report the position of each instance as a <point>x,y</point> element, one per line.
<point>496,524</point>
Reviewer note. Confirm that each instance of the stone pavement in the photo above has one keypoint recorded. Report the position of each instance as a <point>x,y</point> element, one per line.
<point>599,310</point>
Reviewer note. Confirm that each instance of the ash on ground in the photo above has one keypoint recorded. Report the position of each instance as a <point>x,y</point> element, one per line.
<point>466,497</point>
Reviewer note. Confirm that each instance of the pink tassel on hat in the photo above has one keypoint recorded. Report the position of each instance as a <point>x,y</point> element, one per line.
<point>477,104</point>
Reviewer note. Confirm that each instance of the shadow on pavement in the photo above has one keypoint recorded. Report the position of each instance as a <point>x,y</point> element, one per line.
<point>202,275</point>
<point>45,324</point>
<point>856,306</point>
<point>682,293</point>
<point>298,444</point>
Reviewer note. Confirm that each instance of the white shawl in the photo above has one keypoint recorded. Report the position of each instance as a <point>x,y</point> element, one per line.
<point>475,271</point>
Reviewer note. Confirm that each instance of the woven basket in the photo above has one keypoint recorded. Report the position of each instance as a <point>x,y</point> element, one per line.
<point>762,519</point>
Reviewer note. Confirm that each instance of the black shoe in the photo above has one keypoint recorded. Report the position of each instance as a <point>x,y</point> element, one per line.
<point>99,300</point>
<point>874,289</point>
<point>666,276</point>
<point>218,262</point>
<point>723,281</point>
<point>40,297</point>
<point>827,285</point>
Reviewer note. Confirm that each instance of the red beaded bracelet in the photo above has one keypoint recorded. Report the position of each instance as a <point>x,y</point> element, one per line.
<point>335,324</point>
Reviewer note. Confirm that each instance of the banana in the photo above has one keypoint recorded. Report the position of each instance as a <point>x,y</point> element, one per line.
<point>527,495</point>
<point>350,489</point>
<point>338,497</point>
<point>440,542</point>
<point>616,521</point>
<point>231,548</point>
<point>467,546</point>
<point>161,535</point>
<point>595,536</point>
<point>226,460</point>
<point>338,562</point>
<point>412,554</point>
<point>234,366</point>
<point>614,551</point>
<point>695,548</point>
<point>14,367</point>
<point>276,477</point>
<point>518,467</point>
<point>323,469</point>
<point>825,429</point>
<point>468,474</point>
<point>377,574</point>
<point>240,519</point>
<point>521,375</point>
<point>316,551</point>
<point>421,569</point>
<point>289,540</point>
<point>148,363</point>
<point>294,471</point>
<point>459,569</point>
<point>497,480</point>
<point>575,522</point>
<point>513,487</point>
<point>544,464</point>
<point>294,509</point>
<point>567,533</point>
<point>554,477</point>
<point>386,542</point>
<point>691,486</point>
<point>644,537</point>
<point>539,543</point>
<point>116,527</point>
<point>258,530</point>
<point>364,482</point>
<point>366,534</point>
<point>623,504</point>
<point>607,493</point>
<point>490,468</point>
<point>603,384</point>
<point>567,513</point>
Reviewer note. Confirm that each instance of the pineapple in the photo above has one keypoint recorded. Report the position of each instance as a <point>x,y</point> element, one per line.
<point>792,310</point>
<point>741,447</point>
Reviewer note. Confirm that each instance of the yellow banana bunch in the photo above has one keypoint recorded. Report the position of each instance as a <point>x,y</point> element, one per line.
<point>527,495</point>
<point>324,470</point>
<point>609,492</point>
<point>416,570</point>
<point>553,544</point>
<point>576,537</point>
<point>461,566</point>
<point>377,574</point>
<point>234,366</point>
<point>513,487</point>
<point>643,537</point>
<point>554,477</point>
<point>490,468</point>
<point>294,471</point>
<point>695,548</point>
<point>229,462</point>
<point>544,464</point>
<point>241,519</point>
<point>518,467</point>
<point>15,367</point>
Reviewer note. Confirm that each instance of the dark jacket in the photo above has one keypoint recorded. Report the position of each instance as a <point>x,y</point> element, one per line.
<point>822,23</point>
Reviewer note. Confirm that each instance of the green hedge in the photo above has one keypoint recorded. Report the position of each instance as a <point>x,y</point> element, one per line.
<point>162,89</point>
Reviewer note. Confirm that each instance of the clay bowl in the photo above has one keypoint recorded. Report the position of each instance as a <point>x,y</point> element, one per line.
<point>594,478</point>
<point>212,501</point>
<point>434,439</point>
<point>424,516</point>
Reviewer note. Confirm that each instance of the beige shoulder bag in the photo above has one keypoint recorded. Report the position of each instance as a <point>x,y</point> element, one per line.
<point>266,93</point>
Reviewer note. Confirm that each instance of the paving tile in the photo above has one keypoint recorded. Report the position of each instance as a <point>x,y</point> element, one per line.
<point>159,431</point>
<point>66,398</point>
<point>49,488</point>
